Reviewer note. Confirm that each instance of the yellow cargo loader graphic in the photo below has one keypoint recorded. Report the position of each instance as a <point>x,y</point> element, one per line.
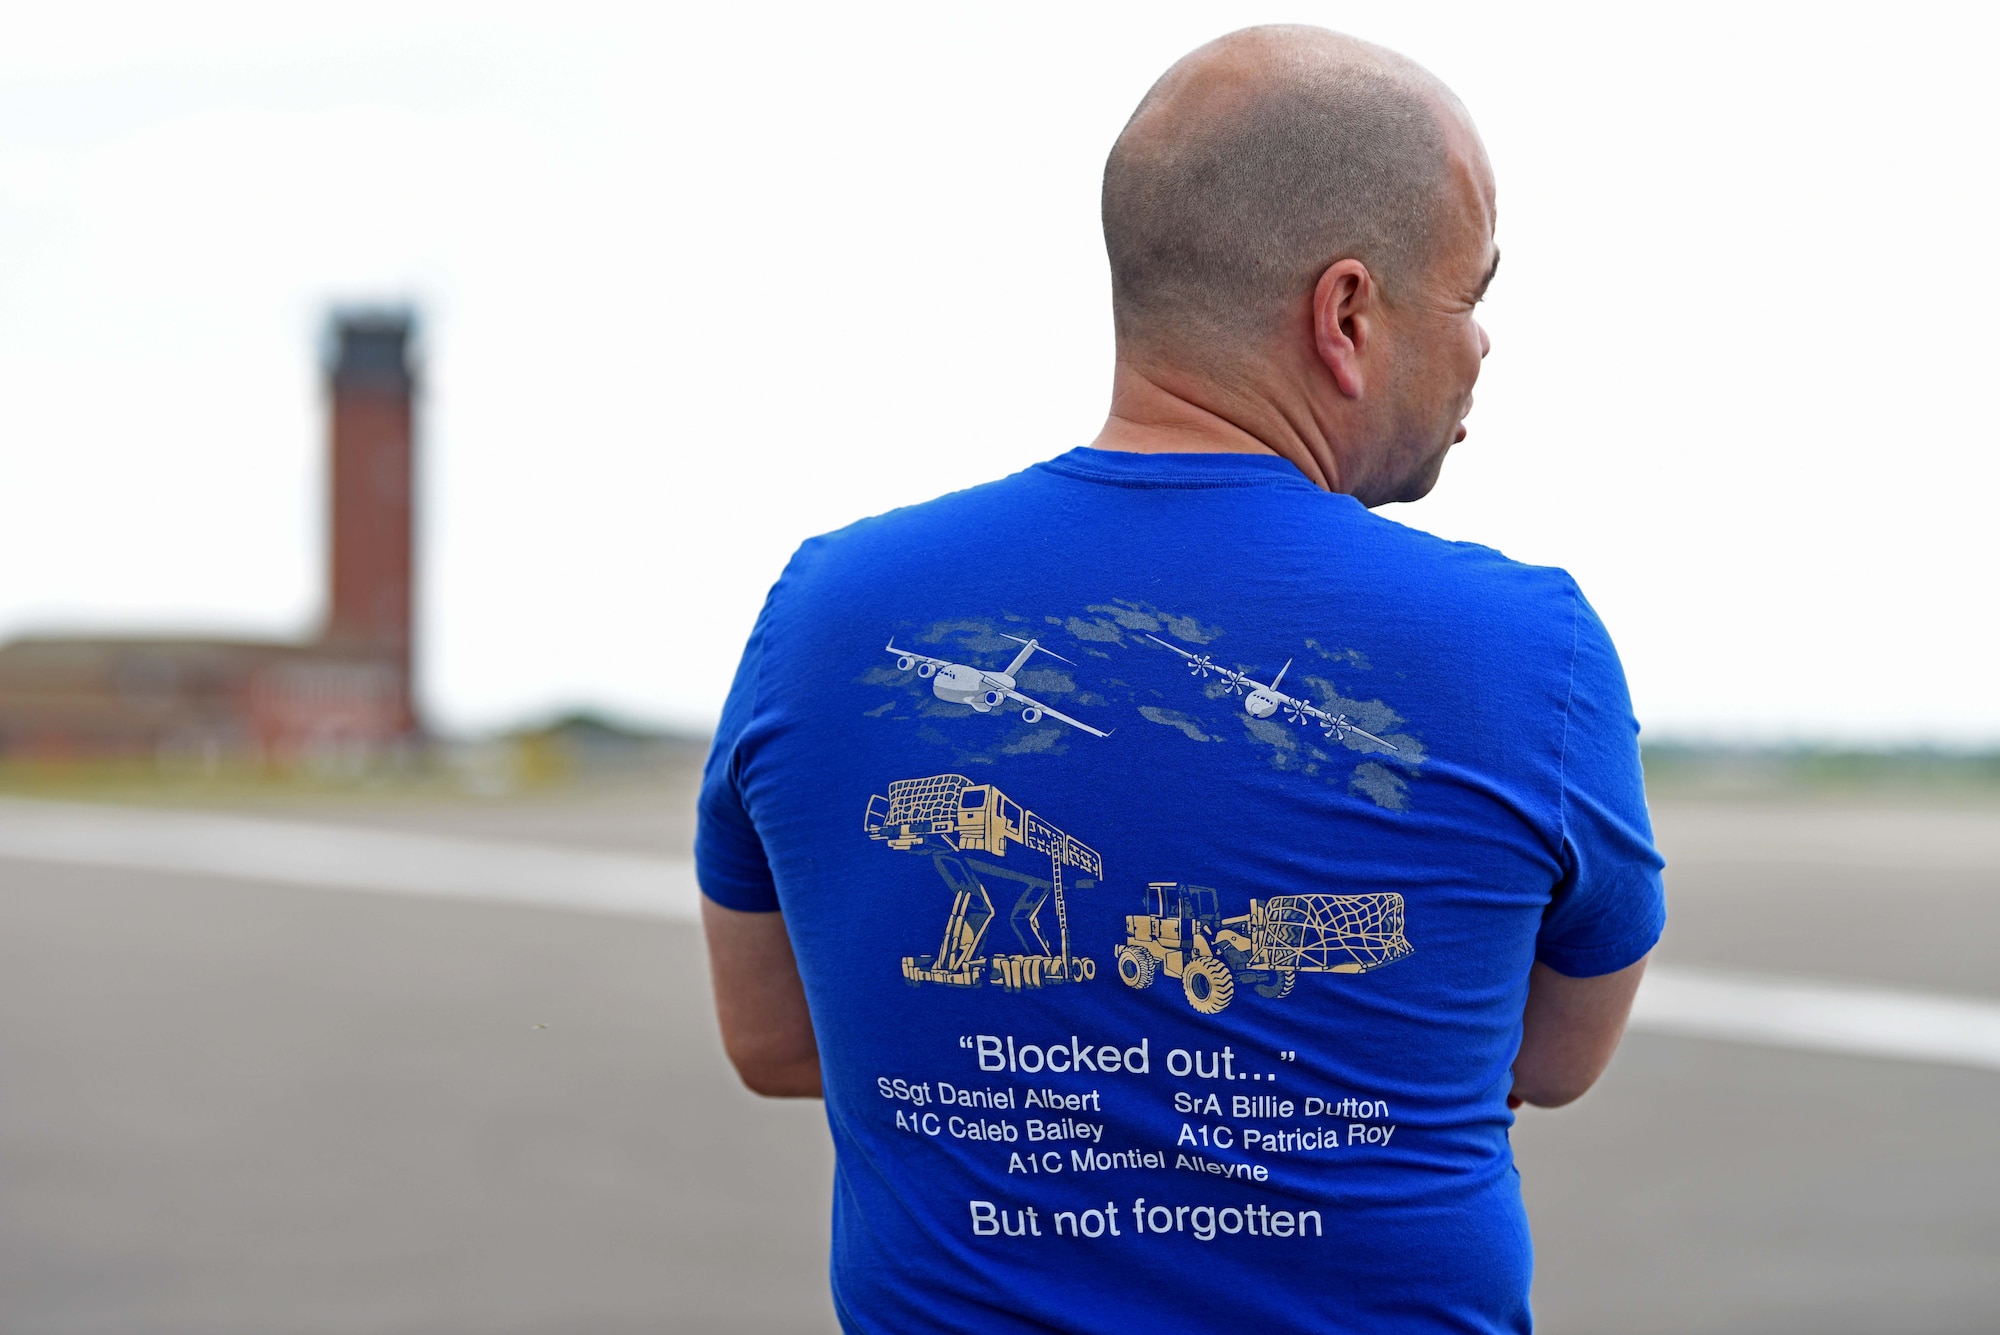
<point>950,818</point>
<point>1280,938</point>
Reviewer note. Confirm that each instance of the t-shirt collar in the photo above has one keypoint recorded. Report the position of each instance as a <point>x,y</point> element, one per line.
<point>1120,468</point>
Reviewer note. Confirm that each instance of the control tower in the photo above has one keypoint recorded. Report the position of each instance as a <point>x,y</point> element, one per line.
<point>342,698</point>
<point>371,391</point>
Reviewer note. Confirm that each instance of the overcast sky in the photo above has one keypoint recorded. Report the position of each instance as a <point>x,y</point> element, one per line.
<point>696,288</point>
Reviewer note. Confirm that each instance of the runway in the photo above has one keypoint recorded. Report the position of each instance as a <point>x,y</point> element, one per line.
<point>449,1066</point>
<point>1812,1014</point>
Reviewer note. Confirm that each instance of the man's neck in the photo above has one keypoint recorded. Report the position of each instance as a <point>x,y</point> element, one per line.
<point>1156,412</point>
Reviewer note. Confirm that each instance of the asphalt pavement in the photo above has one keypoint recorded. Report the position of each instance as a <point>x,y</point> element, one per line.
<point>232,1106</point>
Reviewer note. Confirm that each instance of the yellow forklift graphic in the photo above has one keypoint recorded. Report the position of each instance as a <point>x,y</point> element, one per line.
<point>950,817</point>
<point>1280,938</point>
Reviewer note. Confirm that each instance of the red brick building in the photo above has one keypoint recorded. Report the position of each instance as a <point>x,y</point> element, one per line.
<point>346,696</point>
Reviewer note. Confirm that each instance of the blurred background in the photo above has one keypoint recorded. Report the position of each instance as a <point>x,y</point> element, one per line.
<point>403,409</point>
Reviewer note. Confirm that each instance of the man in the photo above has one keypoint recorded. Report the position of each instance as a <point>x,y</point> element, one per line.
<point>1169,872</point>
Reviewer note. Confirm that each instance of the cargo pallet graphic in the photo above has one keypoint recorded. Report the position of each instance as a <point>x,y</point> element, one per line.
<point>950,817</point>
<point>1184,933</point>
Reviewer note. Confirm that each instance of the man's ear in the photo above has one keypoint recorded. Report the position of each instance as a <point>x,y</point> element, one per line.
<point>1343,315</point>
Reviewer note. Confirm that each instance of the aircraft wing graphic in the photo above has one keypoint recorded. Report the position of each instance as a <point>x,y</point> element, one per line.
<point>921,658</point>
<point>1203,664</point>
<point>1054,713</point>
<point>1168,644</point>
<point>1336,723</point>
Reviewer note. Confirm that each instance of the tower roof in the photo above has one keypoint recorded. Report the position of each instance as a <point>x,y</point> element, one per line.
<point>370,346</point>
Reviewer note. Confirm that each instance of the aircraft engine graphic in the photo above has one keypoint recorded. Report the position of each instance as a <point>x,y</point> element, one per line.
<point>1266,700</point>
<point>984,689</point>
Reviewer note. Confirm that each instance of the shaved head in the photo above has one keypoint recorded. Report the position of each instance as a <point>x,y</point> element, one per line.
<point>1257,161</point>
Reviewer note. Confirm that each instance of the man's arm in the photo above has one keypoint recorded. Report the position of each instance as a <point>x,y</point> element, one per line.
<point>1569,1030</point>
<point>761,1001</point>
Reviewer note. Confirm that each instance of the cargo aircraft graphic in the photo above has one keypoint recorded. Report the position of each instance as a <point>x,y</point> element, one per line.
<point>984,689</point>
<point>1264,701</point>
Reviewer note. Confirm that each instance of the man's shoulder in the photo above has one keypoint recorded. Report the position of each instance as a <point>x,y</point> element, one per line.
<point>919,526</point>
<point>1395,560</point>
<point>1468,572</point>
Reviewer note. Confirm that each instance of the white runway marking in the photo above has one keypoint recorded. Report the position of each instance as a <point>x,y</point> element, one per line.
<point>339,857</point>
<point>1854,1018</point>
<point>1878,839</point>
<point>1860,1019</point>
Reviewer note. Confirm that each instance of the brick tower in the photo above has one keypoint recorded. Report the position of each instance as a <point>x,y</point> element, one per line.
<point>371,393</point>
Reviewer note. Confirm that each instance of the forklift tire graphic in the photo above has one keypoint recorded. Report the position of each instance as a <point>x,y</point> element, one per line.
<point>1136,967</point>
<point>1281,985</point>
<point>1208,985</point>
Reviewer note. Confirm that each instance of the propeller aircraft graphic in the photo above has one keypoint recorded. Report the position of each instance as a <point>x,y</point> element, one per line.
<point>985,689</point>
<point>1264,701</point>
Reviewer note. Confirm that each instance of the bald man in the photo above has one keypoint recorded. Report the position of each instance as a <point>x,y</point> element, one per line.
<point>1170,873</point>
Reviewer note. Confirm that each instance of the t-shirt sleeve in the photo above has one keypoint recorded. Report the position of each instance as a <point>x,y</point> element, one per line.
<point>729,858</point>
<point>1610,907</point>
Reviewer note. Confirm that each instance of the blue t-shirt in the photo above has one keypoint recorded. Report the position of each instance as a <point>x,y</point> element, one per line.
<point>1165,844</point>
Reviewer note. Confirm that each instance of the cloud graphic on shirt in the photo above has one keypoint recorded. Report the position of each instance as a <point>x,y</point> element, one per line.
<point>966,736</point>
<point>975,636</point>
<point>1144,618</point>
<point>1173,718</point>
<point>1353,658</point>
<point>1030,742</point>
<point>1047,681</point>
<point>1099,630</point>
<point>1381,785</point>
<point>1374,715</point>
<point>1281,740</point>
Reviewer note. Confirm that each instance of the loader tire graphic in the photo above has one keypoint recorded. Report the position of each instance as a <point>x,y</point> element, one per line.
<point>1208,985</point>
<point>1136,967</point>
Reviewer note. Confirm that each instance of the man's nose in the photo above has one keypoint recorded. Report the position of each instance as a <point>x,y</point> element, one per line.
<point>1485,343</point>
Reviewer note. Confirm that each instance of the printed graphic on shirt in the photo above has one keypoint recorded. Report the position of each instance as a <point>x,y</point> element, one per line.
<point>947,687</point>
<point>1064,1119</point>
<point>1181,932</point>
<point>946,684</point>
<point>1347,724</point>
<point>1263,700</point>
<point>986,689</point>
<point>949,818</point>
